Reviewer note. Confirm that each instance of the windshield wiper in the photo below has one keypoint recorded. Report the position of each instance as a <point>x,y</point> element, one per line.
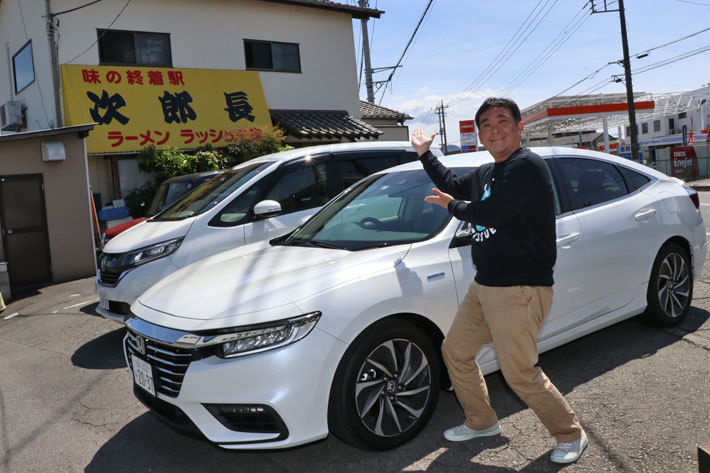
<point>316,243</point>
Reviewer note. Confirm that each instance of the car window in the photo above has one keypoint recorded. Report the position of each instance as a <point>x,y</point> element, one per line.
<point>299,187</point>
<point>382,210</point>
<point>591,181</point>
<point>353,168</point>
<point>238,211</point>
<point>212,192</point>
<point>634,180</point>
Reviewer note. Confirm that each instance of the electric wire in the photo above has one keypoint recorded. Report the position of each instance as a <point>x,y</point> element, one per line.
<point>671,60</point>
<point>75,9</point>
<point>411,38</point>
<point>101,35</point>
<point>694,3</point>
<point>555,44</point>
<point>494,67</point>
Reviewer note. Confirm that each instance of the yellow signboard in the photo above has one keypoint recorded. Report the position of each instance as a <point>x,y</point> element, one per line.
<point>136,107</point>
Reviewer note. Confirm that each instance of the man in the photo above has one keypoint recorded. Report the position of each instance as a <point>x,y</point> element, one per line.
<point>510,203</point>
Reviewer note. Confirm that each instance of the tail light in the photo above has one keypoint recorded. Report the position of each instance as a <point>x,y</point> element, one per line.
<point>692,193</point>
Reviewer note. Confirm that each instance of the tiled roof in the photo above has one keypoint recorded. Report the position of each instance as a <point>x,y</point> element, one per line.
<point>372,111</point>
<point>322,124</point>
<point>357,12</point>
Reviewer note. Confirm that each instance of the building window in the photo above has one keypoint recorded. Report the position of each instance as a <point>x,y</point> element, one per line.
<point>656,125</point>
<point>644,128</point>
<point>272,56</point>
<point>134,48</point>
<point>682,115</point>
<point>23,67</point>
<point>628,131</point>
<point>671,125</point>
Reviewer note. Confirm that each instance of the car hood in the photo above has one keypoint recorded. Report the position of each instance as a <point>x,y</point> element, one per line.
<point>122,227</point>
<point>247,285</point>
<point>147,233</point>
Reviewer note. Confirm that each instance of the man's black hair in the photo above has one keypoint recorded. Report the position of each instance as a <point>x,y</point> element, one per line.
<point>492,102</point>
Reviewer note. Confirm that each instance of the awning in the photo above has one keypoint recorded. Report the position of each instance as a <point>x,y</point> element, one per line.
<point>316,124</point>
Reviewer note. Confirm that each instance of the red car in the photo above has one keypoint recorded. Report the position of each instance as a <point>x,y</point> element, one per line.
<point>168,192</point>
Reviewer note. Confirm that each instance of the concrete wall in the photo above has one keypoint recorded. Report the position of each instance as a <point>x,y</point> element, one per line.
<point>66,194</point>
<point>203,34</point>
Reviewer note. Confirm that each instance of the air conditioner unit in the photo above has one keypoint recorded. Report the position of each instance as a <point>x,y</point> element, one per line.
<point>11,116</point>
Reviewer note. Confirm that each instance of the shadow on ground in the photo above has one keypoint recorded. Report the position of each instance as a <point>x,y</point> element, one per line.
<point>102,353</point>
<point>91,310</point>
<point>155,447</point>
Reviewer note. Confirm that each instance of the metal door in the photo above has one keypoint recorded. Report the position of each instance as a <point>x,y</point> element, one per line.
<point>24,229</point>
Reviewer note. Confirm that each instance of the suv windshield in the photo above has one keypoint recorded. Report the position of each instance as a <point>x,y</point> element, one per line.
<point>211,192</point>
<point>382,210</point>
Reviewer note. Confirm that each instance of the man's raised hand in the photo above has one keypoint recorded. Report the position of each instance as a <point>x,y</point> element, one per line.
<point>420,142</point>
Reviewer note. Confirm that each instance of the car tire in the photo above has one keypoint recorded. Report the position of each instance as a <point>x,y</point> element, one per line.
<point>670,288</point>
<point>386,386</point>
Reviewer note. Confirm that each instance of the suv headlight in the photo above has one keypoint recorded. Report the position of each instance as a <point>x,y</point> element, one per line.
<point>264,337</point>
<point>150,253</point>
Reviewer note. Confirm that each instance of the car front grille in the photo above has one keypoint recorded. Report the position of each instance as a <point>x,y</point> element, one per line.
<point>169,363</point>
<point>109,278</point>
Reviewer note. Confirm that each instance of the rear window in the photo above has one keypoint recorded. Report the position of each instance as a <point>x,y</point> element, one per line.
<point>634,180</point>
<point>212,192</point>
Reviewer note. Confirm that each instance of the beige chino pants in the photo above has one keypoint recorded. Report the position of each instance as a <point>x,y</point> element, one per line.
<point>511,318</point>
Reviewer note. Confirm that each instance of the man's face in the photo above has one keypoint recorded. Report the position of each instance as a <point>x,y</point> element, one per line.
<point>499,133</point>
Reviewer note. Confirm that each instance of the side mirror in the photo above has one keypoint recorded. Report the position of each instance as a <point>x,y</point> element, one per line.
<point>266,209</point>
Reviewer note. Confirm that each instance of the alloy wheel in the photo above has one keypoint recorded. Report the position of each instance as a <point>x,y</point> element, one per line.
<point>393,387</point>
<point>673,285</point>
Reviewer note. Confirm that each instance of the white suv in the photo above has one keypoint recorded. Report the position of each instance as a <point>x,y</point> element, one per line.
<point>260,199</point>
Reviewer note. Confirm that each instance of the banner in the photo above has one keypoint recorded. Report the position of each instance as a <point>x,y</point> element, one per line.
<point>469,137</point>
<point>135,107</point>
<point>684,162</point>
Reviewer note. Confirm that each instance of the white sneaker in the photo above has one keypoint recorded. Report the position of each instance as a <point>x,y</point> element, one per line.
<point>569,452</point>
<point>462,432</point>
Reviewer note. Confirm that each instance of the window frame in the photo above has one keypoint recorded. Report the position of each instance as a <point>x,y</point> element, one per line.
<point>656,126</point>
<point>101,32</point>
<point>270,43</point>
<point>644,128</point>
<point>14,68</point>
<point>568,201</point>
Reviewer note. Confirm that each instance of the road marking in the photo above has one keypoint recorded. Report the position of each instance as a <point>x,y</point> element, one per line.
<point>74,295</point>
<point>11,316</point>
<point>705,205</point>
<point>81,303</point>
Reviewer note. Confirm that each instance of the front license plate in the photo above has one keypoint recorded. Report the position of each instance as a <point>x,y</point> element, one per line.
<point>103,300</point>
<point>143,374</point>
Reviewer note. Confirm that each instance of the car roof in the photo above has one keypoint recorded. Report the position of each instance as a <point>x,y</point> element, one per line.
<point>197,176</point>
<point>297,153</point>
<point>478,158</point>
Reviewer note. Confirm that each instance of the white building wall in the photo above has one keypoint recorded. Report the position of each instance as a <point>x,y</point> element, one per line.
<point>203,34</point>
<point>38,96</point>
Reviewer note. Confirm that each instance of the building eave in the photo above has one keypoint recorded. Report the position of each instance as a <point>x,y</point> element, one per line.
<point>359,13</point>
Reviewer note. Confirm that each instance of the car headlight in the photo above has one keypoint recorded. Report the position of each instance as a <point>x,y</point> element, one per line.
<point>150,253</point>
<point>264,337</point>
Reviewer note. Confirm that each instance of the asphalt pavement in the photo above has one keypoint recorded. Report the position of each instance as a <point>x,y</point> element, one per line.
<point>66,404</point>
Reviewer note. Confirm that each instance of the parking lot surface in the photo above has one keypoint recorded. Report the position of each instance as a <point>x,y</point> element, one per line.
<point>66,403</point>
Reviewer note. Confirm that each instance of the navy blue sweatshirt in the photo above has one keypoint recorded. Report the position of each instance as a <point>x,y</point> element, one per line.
<point>511,205</point>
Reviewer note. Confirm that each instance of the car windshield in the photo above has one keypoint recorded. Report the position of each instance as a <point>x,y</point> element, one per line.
<point>381,210</point>
<point>211,192</point>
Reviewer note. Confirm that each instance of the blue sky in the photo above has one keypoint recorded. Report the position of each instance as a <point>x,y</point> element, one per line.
<point>459,39</point>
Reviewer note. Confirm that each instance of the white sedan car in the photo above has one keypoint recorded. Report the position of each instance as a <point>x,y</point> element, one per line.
<point>336,327</point>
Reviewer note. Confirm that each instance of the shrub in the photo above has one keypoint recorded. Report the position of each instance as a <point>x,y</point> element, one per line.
<point>138,200</point>
<point>172,162</point>
<point>251,143</point>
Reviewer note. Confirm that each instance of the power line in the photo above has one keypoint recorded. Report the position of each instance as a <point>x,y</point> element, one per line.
<point>101,35</point>
<point>671,60</point>
<point>694,3</point>
<point>557,42</point>
<point>411,38</point>
<point>506,53</point>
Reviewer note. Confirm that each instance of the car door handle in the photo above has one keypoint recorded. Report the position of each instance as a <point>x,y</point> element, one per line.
<point>565,240</point>
<point>644,214</point>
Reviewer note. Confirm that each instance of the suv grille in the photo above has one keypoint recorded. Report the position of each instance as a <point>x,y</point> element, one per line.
<point>109,278</point>
<point>169,363</point>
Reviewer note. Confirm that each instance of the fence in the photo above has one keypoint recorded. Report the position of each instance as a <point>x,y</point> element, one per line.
<point>663,162</point>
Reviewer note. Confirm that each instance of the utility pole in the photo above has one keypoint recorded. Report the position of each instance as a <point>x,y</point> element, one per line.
<point>366,55</point>
<point>439,109</point>
<point>627,72</point>
<point>51,28</point>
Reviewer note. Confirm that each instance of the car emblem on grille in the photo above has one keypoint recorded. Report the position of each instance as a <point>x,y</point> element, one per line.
<point>140,343</point>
